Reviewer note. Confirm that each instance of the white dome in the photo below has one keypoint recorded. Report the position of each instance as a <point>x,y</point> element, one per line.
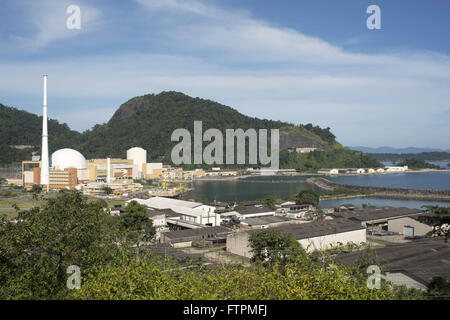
<point>138,155</point>
<point>68,158</point>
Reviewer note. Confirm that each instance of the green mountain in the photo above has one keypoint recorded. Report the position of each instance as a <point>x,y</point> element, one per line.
<point>148,122</point>
<point>21,134</point>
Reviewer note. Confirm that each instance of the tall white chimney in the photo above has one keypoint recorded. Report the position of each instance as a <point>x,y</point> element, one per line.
<point>108,169</point>
<point>45,180</point>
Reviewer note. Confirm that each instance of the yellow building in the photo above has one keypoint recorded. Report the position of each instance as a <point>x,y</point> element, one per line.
<point>98,168</point>
<point>63,179</point>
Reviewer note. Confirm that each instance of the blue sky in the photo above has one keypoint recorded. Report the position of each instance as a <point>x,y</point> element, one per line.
<point>296,61</point>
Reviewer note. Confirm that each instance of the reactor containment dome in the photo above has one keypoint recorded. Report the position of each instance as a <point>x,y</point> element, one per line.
<point>139,157</point>
<point>68,158</point>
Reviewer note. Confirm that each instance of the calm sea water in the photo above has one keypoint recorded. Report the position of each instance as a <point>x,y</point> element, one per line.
<point>251,188</point>
<point>358,202</point>
<point>258,187</point>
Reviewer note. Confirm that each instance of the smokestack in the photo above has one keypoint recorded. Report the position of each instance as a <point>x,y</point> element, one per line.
<point>108,174</point>
<point>44,151</point>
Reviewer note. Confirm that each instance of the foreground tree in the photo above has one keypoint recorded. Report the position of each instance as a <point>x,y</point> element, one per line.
<point>136,224</point>
<point>269,246</point>
<point>36,251</point>
<point>307,197</point>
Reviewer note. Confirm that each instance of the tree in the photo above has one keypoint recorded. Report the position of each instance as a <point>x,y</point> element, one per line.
<point>107,190</point>
<point>270,246</point>
<point>438,288</point>
<point>307,197</point>
<point>269,202</point>
<point>439,219</point>
<point>136,222</point>
<point>36,251</point>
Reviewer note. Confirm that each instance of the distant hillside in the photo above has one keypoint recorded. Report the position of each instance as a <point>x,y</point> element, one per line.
<point>19,129</point>
<point>148,121</point>
<point>430,156</point>
<point>396,150</point>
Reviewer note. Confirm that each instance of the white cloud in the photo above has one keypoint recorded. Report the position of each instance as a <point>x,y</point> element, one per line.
<point>260,69</point>
<point>48,19</point>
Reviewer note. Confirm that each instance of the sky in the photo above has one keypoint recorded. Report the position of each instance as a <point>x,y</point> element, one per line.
<point>297,61</point>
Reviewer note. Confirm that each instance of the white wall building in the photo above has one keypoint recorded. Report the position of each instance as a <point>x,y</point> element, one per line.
<point>139,157</point>
<point>317,235</point>
<point>194,212</point>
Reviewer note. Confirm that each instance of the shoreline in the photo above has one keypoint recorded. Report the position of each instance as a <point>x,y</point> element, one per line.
<point>384,192</point>
<point>299,174</point>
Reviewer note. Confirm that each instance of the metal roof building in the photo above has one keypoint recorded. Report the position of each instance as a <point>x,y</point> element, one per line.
<point>413,264</point>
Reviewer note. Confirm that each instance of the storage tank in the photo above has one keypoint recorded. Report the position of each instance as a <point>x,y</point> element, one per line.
<point>139,157</point>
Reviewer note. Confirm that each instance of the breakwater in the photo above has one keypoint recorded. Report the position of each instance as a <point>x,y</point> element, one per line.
<point>383,192</point>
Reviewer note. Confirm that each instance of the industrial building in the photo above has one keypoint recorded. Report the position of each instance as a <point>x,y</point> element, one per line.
<point>413,264</point>
<point>191,213</point>
<point>317,235</point>
<point>328,171</point>
<point>204,237</point>
<point>377,218</point>
<point>63,179</point>
<point>254,212</point>
<point>417,228</point>
<point>265,222</point>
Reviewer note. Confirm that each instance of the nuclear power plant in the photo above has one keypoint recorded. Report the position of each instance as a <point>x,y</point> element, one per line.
<point>69,169</point>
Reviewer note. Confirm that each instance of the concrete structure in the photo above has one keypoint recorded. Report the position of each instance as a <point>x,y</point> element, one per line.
<point>254,212</point>
<point>206,236</point>
<point>63,179</point>
<point>152,170</point>
<point>265,222</point>
<point>98,169</point>
<point>191,212</point>
<point>139,157</point>
<point>396,169</point>
<point>413,264</point>
<point>160,218</point>
<point>318,235</point>
<point>45,179</point>
<point>119,188</point>
<point>377,218</point>
<point>31,173</point>
<point>328,171</point>
<point>397,225</point>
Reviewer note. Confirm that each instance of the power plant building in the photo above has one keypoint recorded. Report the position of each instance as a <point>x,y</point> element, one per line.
<point>139,158</point>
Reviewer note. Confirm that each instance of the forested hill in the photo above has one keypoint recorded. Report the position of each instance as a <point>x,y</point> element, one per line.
<point>148,122</point>
<point>21,134</point>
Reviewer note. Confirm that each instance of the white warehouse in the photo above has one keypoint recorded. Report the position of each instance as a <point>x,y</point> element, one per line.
<point>319,235</point>
<point>193,212</point>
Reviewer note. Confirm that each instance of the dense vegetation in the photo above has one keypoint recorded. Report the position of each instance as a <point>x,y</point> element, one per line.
<point>334,156</point>
<point>417,164</point>
<point>19,127</point>
<point>148,121</point>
